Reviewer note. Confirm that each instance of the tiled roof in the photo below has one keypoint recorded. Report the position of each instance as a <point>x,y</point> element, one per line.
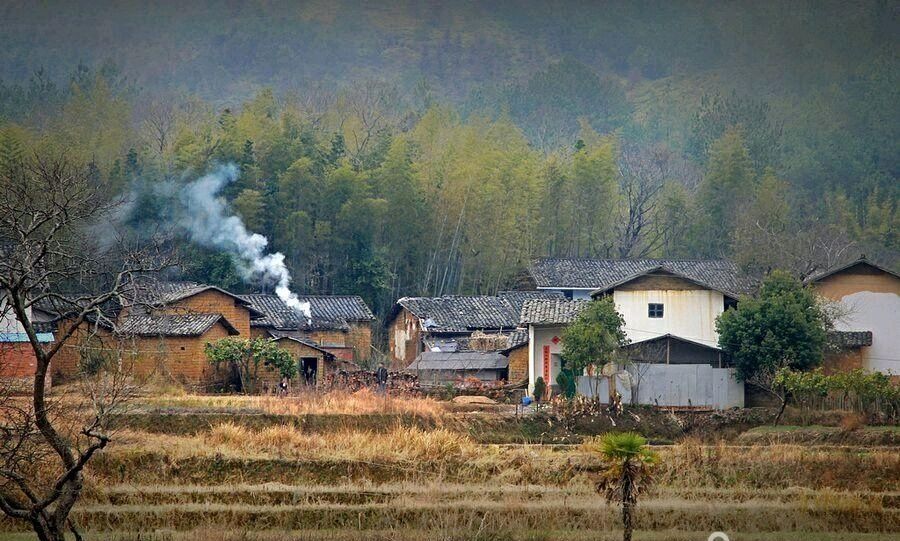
<point>459,360</point>
<point>846,266</point>
<point>516,339</point>
<point>551,312</point>
<point>604,274</point>
<point>464,314</point>
<point>44,326</point>
<point>160,293</point>
<point>59,307</point>
<point>327,311</point>
<point>293,336</point>
<point>850,339</point>
<point>518,298</point>
<point>171,325</point>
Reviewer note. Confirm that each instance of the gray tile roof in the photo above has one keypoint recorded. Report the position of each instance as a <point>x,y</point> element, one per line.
<point>459,360</point>
<point>850,339</point>
<point>171,325</point>
<point>49,310</point>
<point>152,293</point>
<point>329,312</point>
<point>862,260</point>
<point>518,298</point>
<point>551,312</point>
<point>516,339</point>
<point>604,274</point>
<point>300,339</point>
<point>464,314</point>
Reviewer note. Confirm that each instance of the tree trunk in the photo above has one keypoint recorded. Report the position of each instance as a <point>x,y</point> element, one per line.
<point>628,500</point>
<point>47,529</point>
<point>780,411</point>
<point>627,510</point>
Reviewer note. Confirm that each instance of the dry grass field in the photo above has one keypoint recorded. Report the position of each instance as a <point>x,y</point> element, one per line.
<point>248,468</point>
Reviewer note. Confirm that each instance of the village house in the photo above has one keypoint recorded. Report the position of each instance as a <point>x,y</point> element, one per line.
<point>338,324</point>
<point>313,362</point>
<point>160,329</point>
<point>454,337</point>
<point>17,359</point>
<point>866,329</point>
<point>669,308</point>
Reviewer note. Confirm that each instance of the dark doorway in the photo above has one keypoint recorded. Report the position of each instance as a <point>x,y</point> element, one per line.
<point>309,368</point>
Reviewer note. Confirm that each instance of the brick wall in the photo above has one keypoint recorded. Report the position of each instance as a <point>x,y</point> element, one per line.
<point>179,359</point>
<point>843,361</point>
<point>213,302</point>
<point>329,338</point>
<point>404,339</point>
<point>298,351</point>
<point>360,339</point>
<point>518,363</point>
<point>18,362</point>
<point>66,364</point>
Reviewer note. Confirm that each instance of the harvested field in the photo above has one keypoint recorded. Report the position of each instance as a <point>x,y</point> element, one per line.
<point>192,468</point>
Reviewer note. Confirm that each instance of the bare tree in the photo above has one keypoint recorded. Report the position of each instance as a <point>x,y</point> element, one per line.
<point>367,110</point>
<point>45,444</point>
<point>642,174</point>
<point>159,123</point>
<point>805,246</point>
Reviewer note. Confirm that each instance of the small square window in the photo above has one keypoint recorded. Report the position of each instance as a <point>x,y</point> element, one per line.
<point>655,310</point>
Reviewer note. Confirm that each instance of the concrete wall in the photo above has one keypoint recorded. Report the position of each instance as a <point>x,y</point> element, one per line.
<point>685,385</point>
<point>687,313</point>
<point>879,313</point>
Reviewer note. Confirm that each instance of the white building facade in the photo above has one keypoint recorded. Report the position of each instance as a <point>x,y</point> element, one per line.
<point>669,308</point>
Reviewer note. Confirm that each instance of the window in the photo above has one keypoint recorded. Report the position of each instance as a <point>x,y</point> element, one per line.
<point>654,310</point>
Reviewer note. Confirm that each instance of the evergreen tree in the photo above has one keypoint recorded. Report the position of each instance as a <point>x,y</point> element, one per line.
<point>725,189</point>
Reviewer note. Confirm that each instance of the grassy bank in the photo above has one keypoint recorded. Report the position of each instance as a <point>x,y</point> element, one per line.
<point>247,468</point>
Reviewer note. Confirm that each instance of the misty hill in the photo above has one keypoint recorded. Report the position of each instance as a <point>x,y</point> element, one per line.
<point>394,149</point>
<point>641,66</point>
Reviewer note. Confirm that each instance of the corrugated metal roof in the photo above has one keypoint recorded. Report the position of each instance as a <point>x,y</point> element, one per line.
<point>18,337</point>
<point>459,360</point>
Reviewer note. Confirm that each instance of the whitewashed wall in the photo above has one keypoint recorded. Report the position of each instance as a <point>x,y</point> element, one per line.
<point>8,321</point>
<point>538,337</point>
<point>689,314</point>
<point>876,312</point>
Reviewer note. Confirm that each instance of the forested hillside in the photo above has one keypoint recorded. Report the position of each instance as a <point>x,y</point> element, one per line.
<point>436,147</point>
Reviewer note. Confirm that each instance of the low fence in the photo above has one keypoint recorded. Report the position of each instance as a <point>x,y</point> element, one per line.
<point>671,385</point>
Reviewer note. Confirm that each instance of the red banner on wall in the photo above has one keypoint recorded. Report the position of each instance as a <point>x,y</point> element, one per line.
<point>547,365</point>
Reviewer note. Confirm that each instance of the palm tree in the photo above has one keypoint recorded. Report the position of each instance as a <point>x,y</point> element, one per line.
<point>628,472</point>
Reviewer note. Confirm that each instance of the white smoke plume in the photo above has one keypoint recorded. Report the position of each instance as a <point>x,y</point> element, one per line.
<point>209,223</point>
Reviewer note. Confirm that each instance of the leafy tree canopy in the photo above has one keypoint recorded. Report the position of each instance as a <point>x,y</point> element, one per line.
<point>784,326</point>
<point>593,338</point>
